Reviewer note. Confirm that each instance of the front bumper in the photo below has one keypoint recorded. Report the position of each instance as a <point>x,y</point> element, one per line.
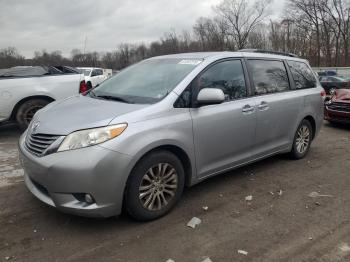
<point>336,116</point>
<point>58,178</point>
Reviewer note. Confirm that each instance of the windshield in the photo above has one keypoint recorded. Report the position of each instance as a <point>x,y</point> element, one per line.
<point>146,82</point>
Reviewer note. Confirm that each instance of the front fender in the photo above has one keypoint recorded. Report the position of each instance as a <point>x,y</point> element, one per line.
<point>141,137</point>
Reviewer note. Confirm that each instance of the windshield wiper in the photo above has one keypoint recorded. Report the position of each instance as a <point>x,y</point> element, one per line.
<point>114,98</point>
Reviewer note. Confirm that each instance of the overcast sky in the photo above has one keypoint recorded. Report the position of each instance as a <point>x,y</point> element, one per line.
<point>31,25</point>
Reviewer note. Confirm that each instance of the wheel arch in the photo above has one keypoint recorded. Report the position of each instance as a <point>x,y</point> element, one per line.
<point>312,121</point>
<point>23,100</point>
<point>178,152</point>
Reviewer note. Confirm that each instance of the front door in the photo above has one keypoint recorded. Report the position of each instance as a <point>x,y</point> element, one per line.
<point>223,133</point>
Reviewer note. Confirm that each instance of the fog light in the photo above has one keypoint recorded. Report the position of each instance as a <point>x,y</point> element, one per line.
<point>89,199</point>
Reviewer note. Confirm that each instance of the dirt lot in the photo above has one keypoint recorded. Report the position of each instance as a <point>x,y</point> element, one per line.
<point>285,225</point>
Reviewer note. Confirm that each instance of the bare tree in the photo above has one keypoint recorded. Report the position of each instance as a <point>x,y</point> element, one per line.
<point>318,30</point>
<point>241,18</point>
<point>308,12</point>
<point>10,57</point>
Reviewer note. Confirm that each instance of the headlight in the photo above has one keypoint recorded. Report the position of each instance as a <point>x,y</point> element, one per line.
<point>90,137</point>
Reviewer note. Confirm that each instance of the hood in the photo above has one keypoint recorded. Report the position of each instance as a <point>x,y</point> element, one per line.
<point>80,112</point>
<point>342,95</point>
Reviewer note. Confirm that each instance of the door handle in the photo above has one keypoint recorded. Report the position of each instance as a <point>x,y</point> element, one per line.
<point>248,109</point>
<point>263,106</point>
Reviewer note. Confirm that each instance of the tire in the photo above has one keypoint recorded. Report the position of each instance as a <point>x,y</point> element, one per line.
<point>302,140</point>
<point>27,110</point>
<point>140,207</point>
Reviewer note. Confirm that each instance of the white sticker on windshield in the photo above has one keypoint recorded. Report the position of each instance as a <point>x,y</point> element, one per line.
<point>190,62</point>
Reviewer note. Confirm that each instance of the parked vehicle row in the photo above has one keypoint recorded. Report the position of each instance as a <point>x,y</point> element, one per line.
<point>25,90</point>
<point>168,122</point>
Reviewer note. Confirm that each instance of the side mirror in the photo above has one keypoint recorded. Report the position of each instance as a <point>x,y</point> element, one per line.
<point>210,96</point>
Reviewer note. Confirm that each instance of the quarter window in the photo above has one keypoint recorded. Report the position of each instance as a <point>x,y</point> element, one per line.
<point>302,75</point>
<point>227,76</point>
<point>268,76</point>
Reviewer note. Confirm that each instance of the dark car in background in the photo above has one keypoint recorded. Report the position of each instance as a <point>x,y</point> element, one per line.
<point>337,108</point>
<point>334,82</point>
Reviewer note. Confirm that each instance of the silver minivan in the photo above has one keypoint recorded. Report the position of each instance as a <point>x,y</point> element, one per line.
<point>139,138</point>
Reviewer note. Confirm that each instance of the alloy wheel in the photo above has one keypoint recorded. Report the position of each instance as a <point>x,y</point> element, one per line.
<point>303,139</point>
<point>29,114</point>
<point>158,186</point>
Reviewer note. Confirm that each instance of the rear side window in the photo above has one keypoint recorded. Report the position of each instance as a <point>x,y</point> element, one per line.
<point>268,76</point>
<point>302,75</point>
<point>226,75</point>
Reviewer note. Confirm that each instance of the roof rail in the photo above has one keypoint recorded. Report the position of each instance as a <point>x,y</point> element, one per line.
<point>267,52</point>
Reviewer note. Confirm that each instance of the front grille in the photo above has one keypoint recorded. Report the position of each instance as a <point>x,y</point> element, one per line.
<point>38,143</point>
<point>338,106</point>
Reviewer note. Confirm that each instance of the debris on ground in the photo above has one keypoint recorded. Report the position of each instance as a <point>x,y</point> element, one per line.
<point>310,238</point>
<point>170,260</point>
<point>279,193</point>
<point>195,221</point>
<point>344,247</point>
<point>242,252</point>
<point>221,195</point>
<point>249,198</point>
<point>207,260</point>
<point>7,258</point>
<point>317,203</point>
<point>205,208</point>
<point>316,194</point>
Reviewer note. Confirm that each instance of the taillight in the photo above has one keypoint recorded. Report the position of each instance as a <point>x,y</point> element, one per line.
<point>82,87</point>
<point>323,93</point>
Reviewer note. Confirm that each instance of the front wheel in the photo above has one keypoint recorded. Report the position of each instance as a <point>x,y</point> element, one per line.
<point>302,140</point>
<point>155,186</point>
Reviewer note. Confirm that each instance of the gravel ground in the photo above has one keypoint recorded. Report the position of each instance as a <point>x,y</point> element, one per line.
<point>281,222</point>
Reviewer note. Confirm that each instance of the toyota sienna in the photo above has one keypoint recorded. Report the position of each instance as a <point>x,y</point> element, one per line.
<point>167,122</point>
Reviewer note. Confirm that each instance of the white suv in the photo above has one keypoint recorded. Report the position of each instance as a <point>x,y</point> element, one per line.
<point>93,76</point>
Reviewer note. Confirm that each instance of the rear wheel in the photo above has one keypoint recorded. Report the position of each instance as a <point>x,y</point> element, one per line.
<point>302,140</point>
<point>155,186</point>
<point>27,110</point>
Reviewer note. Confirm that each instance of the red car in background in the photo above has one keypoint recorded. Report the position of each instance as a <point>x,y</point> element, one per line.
<point>337,107</point>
